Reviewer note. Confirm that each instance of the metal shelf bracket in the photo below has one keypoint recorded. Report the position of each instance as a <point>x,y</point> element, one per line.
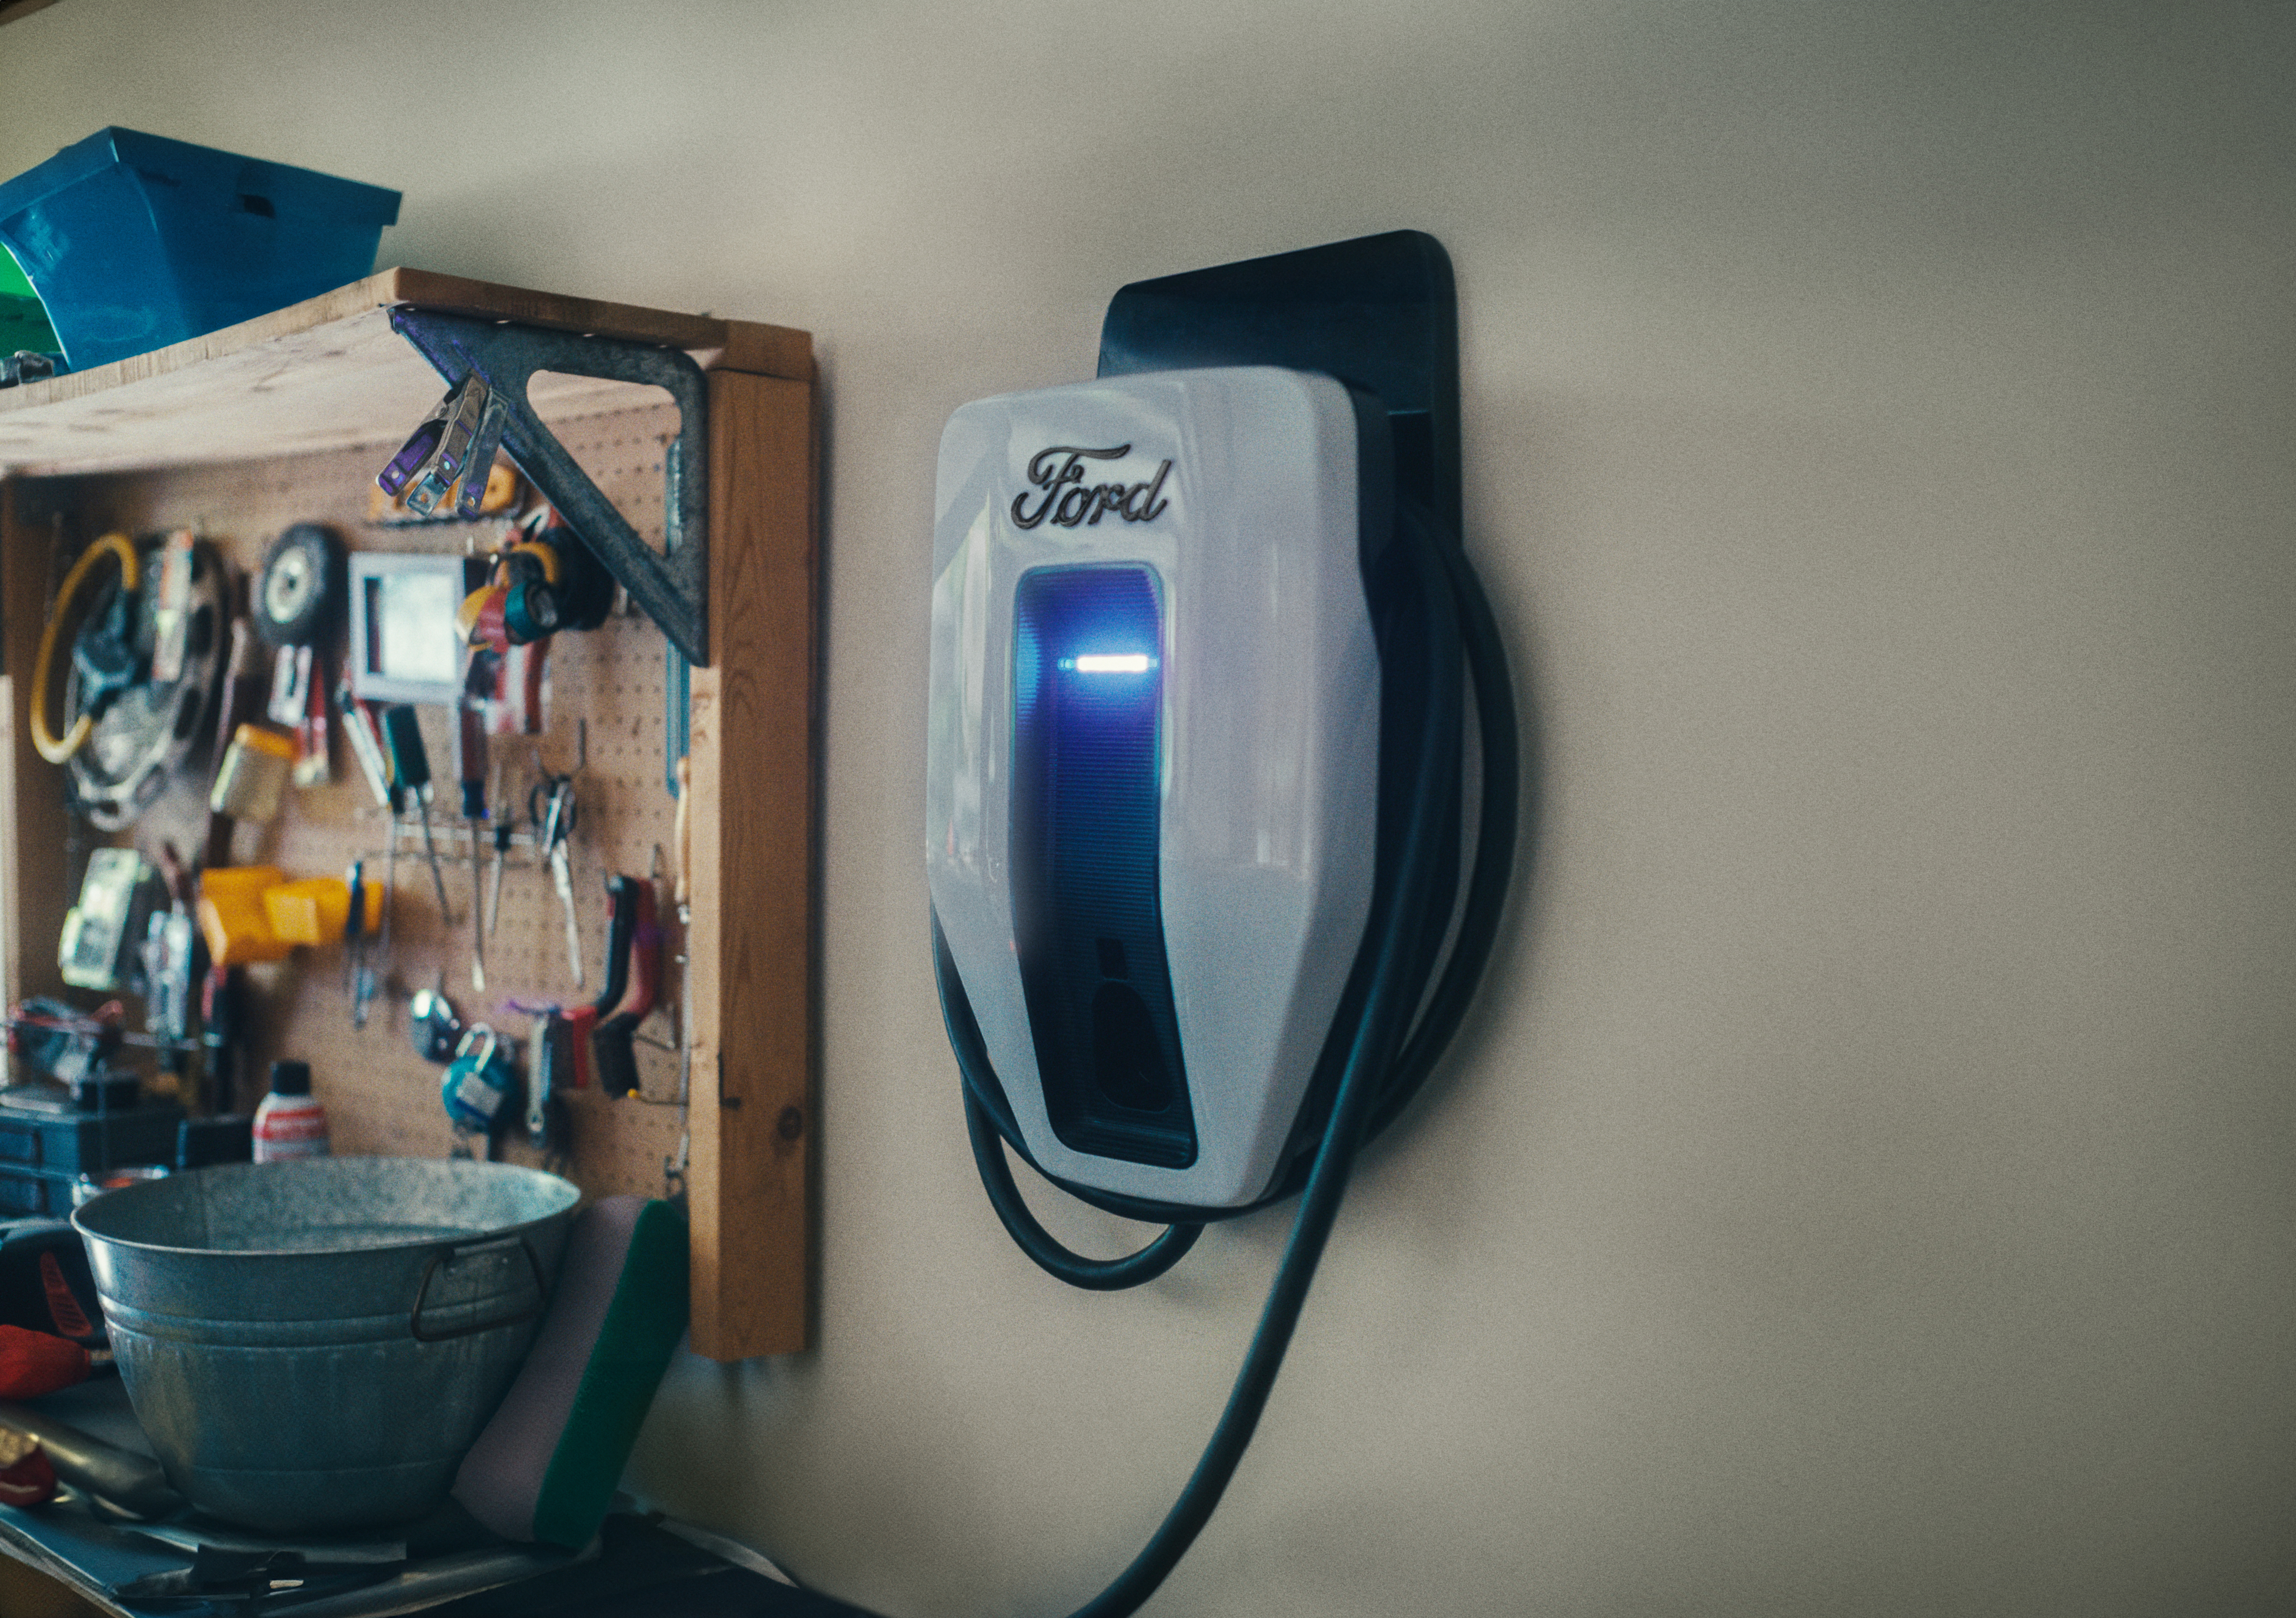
<point>487,365</point>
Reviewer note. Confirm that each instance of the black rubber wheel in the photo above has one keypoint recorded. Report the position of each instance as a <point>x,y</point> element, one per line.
<point>300,592</point>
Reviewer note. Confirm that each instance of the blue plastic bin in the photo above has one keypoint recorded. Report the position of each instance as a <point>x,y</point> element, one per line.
<point>135,241</point>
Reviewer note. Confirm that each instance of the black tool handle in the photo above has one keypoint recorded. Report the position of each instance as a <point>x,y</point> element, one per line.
<point>613,1052</point>
<point>471,733</point>
<point>410,761</point>
<point>471,761</point>
<point>622,928</point>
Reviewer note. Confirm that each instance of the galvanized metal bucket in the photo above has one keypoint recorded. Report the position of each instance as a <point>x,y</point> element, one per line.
<point>314,1344</point>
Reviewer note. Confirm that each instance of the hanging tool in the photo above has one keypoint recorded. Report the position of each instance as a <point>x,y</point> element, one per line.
<point>148,732</point>
<point>103,652</point>
<point>480,1078</point>
<point>673,1169</point>
<point>296,686</point>
<point>410,774</point>
<point>291,686</point>
<point>627,900</point>
<point>358,723</point>
<point>354,921</point>
<point>297,607</point>
<point>389,869</point>
<point>257,767</point>
<point>101,946</point>
<point>471,772</point>
<point>315,767</point>
<point>623,910</point>
<point>433,462</point>
<point>433,1023</point>
<point>613,1043</point>
<point>171,615</point>
<point>170,964</point>
<point>558,1048</point>
<point>238,693</point>
<point>546,1113</point>
<point>545,581</point>
<point>220,1008</point>
<point>676,720</point>
<point>515,709</point>
<point>502,859</point>
<point>550,804</point>
<point>362,971</point>
<point>503,491</point>
<point>298,702</point>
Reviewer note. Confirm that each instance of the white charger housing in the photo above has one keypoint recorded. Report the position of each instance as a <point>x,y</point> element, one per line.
<point>1152,758</point>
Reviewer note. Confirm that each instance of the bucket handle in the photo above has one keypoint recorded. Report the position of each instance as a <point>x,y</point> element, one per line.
<point>447,1255</point>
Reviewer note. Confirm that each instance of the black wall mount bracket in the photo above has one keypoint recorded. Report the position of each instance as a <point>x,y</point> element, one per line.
<point>1380,313</point>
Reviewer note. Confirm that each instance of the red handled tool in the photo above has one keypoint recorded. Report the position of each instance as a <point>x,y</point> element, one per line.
<point>624,897</point>
<point>612,1045</point>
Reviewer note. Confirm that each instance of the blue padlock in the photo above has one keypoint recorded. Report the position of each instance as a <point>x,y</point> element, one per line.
<point>478,1083</point>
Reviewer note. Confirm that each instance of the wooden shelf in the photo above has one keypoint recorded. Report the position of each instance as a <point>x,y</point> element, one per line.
<point>328,375</point>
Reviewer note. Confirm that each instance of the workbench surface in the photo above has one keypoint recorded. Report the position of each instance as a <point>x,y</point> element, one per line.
<point>455,1569</point>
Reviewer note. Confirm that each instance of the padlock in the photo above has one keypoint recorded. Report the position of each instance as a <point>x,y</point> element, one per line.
<point>478,1083</point>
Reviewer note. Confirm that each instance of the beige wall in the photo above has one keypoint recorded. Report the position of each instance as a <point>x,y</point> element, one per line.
<point>1866,1184</point>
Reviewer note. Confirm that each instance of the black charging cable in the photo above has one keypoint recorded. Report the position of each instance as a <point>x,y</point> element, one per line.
<point>1399,1030</point>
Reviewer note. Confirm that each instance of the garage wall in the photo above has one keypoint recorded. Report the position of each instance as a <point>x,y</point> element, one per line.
<point>1865,1184</point>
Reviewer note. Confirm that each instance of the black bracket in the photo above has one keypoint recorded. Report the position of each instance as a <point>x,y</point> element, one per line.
<point>1379,312</point>
<point>488,365</point>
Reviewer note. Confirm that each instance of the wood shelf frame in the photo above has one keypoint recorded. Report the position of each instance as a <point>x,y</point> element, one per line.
<point>329,374</point>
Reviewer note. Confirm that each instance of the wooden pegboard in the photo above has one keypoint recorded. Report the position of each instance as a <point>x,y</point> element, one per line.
<point>606,688</point>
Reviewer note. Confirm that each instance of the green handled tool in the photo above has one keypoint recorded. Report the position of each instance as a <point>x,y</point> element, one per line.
<point>410,776</point>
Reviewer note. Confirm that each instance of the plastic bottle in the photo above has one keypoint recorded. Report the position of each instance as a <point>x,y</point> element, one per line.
<point>288,1123</point>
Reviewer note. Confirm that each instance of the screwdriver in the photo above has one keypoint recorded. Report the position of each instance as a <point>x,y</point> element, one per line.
<point>502,856</point>
<point>362,984</point>
<point>410,775</point>
<point>390,872</point>
<point>354,879</point>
